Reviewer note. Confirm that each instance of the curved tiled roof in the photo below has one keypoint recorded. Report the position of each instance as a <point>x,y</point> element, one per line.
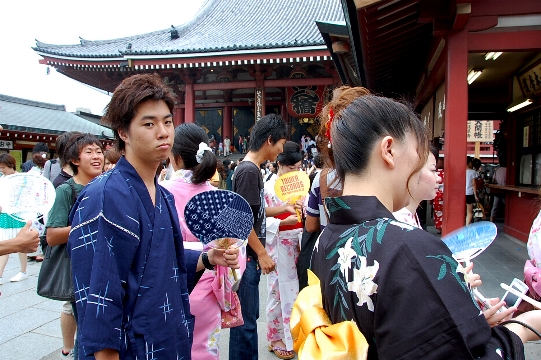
<point>220,25</point>
<point>34,116</point>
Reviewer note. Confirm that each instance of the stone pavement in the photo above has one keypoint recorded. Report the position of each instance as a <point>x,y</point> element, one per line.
<point>30,325</point>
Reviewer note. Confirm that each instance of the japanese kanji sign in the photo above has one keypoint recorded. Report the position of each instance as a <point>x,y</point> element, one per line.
<point>480,131</point>
<point>6,144</point>
<point>305,101</point>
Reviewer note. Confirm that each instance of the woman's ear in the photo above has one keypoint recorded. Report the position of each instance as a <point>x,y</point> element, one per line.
<point>387,150</point>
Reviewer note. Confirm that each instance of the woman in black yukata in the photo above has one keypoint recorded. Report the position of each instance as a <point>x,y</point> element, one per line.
<point>399,284</point>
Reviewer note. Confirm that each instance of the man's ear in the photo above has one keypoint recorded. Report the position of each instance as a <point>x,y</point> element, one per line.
<point>75,162</point>
<point>123,134</point>
<point>387,150</point>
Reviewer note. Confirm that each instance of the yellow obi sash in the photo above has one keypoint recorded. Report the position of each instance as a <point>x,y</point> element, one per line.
<point>315,337</point>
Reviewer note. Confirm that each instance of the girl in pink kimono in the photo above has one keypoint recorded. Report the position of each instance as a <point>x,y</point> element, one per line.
<point>194,163</point>
<point>284,230</point>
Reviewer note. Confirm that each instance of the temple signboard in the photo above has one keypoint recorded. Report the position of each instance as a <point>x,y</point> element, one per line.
<point>480,131</point>
<point>305,101</point>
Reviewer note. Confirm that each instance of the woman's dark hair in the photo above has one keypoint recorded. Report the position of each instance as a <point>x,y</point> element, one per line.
<point>476,163</point>
<point>75,145</point>
<point>128,96</point>
<point>232,166</point>
<point>291,154</point>
<point>221,169</point>
<point>61,142</point>
<point>112,155</point>
<point>361,119</point>
<point>38,160</point>
<point>188,136</point>
<point>434,150</point>
<point>318,161</point>
<point>8,160</point>
<point>270,125</point>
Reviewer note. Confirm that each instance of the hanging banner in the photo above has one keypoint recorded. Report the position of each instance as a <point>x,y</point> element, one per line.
<point>305,101</point>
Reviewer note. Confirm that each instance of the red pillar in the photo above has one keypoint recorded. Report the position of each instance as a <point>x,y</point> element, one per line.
<point>178,116</point>
<point>456,117</point>
<point>189,109</point>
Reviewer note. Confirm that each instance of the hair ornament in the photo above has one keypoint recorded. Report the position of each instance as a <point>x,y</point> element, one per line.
<point>328,126</point>
<point>202,147</point>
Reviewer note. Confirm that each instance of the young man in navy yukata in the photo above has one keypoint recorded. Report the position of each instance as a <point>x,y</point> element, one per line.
<point>130,271</point>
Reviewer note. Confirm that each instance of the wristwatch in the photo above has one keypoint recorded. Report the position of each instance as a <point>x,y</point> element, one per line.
<point>206,261</point>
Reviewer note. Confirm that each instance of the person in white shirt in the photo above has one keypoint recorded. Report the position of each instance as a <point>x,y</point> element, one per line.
<point>471,189</point>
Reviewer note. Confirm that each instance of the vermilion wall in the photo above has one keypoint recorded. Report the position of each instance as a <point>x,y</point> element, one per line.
<point>520,213</point>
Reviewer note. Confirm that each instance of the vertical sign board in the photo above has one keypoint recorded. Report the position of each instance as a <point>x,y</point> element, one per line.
<point>258,104</point>
<point>439,111</point>
<point>480,131</point>
<point>427,116</point>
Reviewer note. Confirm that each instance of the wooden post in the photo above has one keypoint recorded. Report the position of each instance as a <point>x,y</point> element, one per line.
<point>456,115</point>
<point>477,149</point>
<point>189,110</point>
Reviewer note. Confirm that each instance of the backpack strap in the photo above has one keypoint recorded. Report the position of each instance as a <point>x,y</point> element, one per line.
<point>73,197</point>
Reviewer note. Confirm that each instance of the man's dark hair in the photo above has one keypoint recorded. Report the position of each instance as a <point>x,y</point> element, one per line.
<point>40,147</point>
<point>272,126</point>
<point>61,142</point>
<point>226,163</point>
<point>75,146</point>
<point>127,97</point>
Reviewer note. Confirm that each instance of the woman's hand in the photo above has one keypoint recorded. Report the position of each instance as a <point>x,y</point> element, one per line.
<point>493,316</point>
<point>290,220</point>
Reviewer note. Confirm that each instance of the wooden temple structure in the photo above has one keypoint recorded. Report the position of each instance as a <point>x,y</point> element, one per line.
<point>465,64</point>
<point>234,62</point>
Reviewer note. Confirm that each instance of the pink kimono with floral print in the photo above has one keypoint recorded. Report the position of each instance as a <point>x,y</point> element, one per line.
<point>282,284</point>
<point>212,294</point>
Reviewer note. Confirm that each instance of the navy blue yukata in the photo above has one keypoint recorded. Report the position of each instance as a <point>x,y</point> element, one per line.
<point>130,271</point>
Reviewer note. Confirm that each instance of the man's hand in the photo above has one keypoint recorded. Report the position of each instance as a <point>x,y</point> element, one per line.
<point>227,258</point>
<point>27,239</point>
<point>266,263</point>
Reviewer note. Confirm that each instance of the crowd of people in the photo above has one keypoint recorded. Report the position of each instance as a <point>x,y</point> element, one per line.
<point>146,287</point>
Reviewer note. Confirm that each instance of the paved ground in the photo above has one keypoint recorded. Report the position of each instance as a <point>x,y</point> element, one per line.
<point>30,329</point>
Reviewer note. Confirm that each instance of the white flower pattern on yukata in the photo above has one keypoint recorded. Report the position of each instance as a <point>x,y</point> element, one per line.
<point>346,254</point>
<point>362,283</point>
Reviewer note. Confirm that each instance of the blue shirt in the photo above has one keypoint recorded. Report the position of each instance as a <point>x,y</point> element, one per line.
<point>130,272</point>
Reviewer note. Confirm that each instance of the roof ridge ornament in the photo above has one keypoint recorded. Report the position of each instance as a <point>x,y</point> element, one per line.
<point>174,33</point>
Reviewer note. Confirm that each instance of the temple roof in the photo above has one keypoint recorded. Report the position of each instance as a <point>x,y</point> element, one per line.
<point>33,116</point>
<point>220,25</point>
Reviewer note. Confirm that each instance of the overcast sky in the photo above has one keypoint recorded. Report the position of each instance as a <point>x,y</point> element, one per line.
<point>62,22</point>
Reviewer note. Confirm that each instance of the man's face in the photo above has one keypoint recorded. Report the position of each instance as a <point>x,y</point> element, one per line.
<point>275,149</point>
<point>90,161</point>
<point>150,136</point>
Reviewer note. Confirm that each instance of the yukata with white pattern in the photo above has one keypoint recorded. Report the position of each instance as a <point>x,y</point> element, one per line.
<point>401,287</point>
<point>282,284</point>
<point>212,294</point>
<point>130,271</point>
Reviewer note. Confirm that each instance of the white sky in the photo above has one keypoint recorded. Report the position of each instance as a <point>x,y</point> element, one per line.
<point>62,22</point>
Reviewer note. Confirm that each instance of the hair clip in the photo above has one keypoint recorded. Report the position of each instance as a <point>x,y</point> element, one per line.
<point>328,127</point>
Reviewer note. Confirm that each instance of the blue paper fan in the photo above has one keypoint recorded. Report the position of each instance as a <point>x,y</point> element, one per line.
<point>219,214</point>
<point>468,242</point>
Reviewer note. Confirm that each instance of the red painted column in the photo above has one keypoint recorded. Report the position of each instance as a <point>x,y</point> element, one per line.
<point>178,116</point>
<point>456,117</point>
<point>189,109</point>
<point>227,123</point>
